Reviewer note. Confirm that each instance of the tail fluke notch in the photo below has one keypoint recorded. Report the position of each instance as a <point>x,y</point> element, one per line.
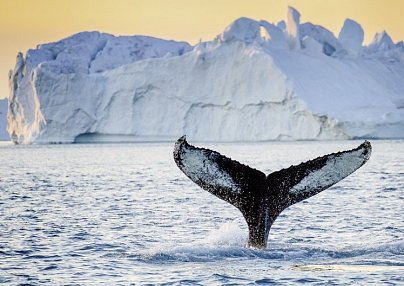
<point>262,198</point>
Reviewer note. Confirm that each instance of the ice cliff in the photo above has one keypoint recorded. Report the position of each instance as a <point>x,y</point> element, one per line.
<point>255,81</point>
<point>3,120</point>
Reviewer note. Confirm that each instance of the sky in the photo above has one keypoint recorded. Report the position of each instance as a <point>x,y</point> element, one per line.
<point>24,23</point>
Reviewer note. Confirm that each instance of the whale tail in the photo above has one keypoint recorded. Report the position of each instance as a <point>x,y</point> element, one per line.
<point>262,198</point>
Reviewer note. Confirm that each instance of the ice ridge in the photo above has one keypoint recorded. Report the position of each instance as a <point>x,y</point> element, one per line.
<point>255,81</point>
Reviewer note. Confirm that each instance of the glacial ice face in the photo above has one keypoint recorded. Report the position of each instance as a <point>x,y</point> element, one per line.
<point>219,92</point>
<point>246,85</point>
<point>381,42</point>
<point>123,50</point>
<point>92,52</point>
<point>52,74</point>
<point>364,95</point>
<point>243,29</point>
<point>3,120</point>
<point>276,37</point>
<point>292,28</point>
<point>330,44</point>
<point>311,46</point>
<point>351,36</point>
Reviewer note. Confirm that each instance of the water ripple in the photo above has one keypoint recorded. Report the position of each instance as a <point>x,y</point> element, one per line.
<point>125,215</point>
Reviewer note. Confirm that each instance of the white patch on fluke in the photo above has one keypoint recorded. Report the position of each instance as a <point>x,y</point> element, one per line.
<point>197,165</point>
<point>336,168</point>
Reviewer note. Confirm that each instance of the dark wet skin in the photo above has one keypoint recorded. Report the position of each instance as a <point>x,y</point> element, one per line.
<point>262,198</point>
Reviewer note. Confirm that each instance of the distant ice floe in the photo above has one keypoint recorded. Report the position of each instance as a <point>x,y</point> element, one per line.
<point>255,81</point>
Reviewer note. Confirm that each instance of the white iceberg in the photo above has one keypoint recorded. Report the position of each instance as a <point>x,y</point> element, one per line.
<point>331,45</point>
<point>351,36</point>
<point>248,84</point>
<point>3,120</point>
<point>292,28</point>
<point>381,42</point>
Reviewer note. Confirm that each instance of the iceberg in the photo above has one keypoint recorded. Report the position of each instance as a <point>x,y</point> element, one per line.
<point>351,36</point>
<point>255,81</point>
<point>292,28</point>
<point>381,42</point>
<point>3,120</point>
<point>331,46</point>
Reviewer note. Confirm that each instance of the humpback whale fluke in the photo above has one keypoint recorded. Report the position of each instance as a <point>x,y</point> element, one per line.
<point>262,198</point>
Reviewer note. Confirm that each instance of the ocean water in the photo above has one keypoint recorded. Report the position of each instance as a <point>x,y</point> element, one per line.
<point>124,214</point>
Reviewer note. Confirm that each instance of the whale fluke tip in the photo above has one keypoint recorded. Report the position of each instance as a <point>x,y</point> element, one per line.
<point>367,149</point>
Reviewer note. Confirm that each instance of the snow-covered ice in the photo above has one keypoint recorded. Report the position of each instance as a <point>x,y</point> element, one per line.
<point>381,42</point>
<point>351,36</point>
<point>255,81</point>
<point>331,45</point>
<point>292,28</point>
<point>3,120</point>
<point>311,46</point>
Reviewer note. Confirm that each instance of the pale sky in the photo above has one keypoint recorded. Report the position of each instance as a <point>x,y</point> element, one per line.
<point>26,23</point>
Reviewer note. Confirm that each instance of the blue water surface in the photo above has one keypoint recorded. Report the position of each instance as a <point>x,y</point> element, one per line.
<point>123,214</point>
